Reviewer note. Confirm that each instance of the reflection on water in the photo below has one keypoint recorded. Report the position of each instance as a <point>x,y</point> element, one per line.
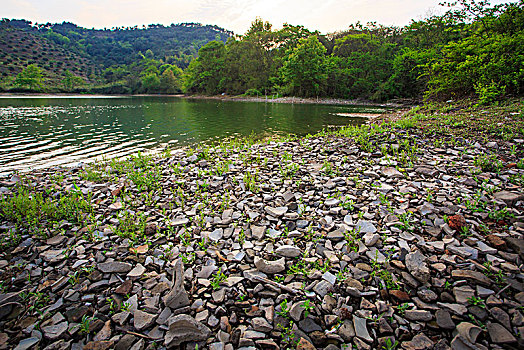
<point>48,131</point>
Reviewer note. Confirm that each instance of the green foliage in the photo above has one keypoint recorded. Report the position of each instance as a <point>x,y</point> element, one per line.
<point>71,81</point>
<point>30,78</point>
<point>305,68</point>
<point>218,278</point>
<point>473,50</point>
<point>204,73</point>
<point>488,162</point>
<point>31,209</point>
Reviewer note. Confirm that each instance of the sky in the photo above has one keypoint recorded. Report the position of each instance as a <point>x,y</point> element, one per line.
<point>326,16</point>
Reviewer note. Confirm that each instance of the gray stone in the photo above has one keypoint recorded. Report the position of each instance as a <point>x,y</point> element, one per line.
<point>179,222</point>
<point>216,235</point>
<point>143,320</point>
<point>418,315</point>
<point>288,251</point>
<point>444,319</point>
<point>510,198</point>
<point>499,334</point>
<point>276,212</point>
<point>115,267</point>
<point>364,226</point>
<point>517,244</point>
<point>392,173</point>
<point>331,202</point>
<point>55,331</point>
<point>419,342</point>
<point>27,343</point>
<point>415,262</point>
<point>177,297</point>
<point>258,232</point>
<point>470,275</point>
<point>427,171</point>
<point>361,329</point>
<point>261,324</point>
<point>322,288</point>
<point>346,330</point>
<point>184,328</point>
<point>137,271</point>
<point>270,267</point>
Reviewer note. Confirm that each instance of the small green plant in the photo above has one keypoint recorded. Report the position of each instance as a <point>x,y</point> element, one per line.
<point>308,307</point>
<point>218,278</point>
<point>464,232</point>
<point>188,257</point>
<point>488,162</point>
<point>113,307</point>
<point>288,336</point>
<point>241,237</point>
<point>476,301</point>
<point>284,309</point>
<point>402,308</point>
<point>390,344</point>
<point>84,324</point>
<point>328,169</point>
<point>125,306</point>
<point>501,214</point>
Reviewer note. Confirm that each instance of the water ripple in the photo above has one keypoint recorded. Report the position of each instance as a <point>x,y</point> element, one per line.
<point>49,131</point>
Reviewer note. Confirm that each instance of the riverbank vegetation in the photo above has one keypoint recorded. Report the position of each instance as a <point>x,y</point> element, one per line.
<point>474,49</point>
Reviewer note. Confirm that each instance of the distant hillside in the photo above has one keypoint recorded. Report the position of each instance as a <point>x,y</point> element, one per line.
<point>57,48</point>
<point>19,48</point>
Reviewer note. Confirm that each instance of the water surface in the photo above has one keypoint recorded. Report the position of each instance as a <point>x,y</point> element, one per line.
<point>46,131</point>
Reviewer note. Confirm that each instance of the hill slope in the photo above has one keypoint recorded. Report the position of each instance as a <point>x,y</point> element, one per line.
<point>57,48</point>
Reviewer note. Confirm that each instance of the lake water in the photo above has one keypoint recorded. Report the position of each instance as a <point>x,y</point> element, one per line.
<point>37,132</point>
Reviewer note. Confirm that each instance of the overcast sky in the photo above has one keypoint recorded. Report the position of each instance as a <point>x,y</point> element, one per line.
<point>237,15</point>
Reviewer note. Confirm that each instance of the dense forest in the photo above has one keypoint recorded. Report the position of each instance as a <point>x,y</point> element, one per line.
<point>473,49</point>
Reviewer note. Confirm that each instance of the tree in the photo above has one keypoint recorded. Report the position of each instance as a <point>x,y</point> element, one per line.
<point>305,68</point>
<point>71,81</point>
<point>31,77</point>
<point>169,83</point>
<point>205,73</point>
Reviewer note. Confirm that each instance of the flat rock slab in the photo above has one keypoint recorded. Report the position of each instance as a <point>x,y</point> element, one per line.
<point>510,198</point>
<point>143,320</point>
<point>427,171</point>
<point>270,267</point>
<point>499,334</point>
<point>473,276</point>
<point>27,343</point>
<point>137,272</point>
<point>288,251</point>
<point>115,267</point>
<point>416,264</point>
<point>55,331</point>
<point>276,212</point>
<point>184,328</point>
<point>361,329</point>
<point>516,244</point>
<point>364,226</point>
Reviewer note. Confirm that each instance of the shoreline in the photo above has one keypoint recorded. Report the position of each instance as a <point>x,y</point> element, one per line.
<point>350,237</point>
<point>236,98</point>
<point>297,100</point>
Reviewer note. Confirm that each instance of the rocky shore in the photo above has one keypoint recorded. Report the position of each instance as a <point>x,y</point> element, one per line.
<point>407,235</point>
<point>301,100</point>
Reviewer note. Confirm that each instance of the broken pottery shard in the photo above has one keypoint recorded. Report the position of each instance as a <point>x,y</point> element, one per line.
<point>177,297</point>
<point>184,328</point>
